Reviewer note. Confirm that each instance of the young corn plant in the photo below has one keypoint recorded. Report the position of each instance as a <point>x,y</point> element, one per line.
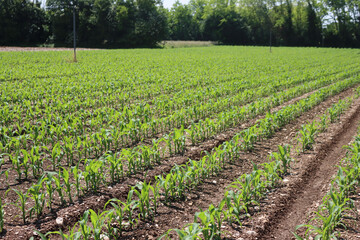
<point>112,231</point>
<point>25,163</point>
<point>56,156</point>
<point>129,208</point>
<point>168,184</point>
<point>143,203</point>
<point>248,190</point>
<point>329,217</point>
<point>191,231</point>
<point>65,175</point>
<point>323,123</point>
<point>36,162</point>
<point>77,173</point>
<point>156,195</point>
<point>17,164</point>
<point>116,167</point>
<point>272,173</point>
<point>50,189</point>
<point>69,150</point>
<point>59,189</point>
<point>168,141</point>
<point>37,194</point>
<point>97,221</point>
<point>191,133</point>
<point>85,229</point>
<point>119,214</point>
<point>249,137</point>
<point>307,136</point>
<point>211,221</point>
<point>2,215</point>
<point>180,180</point>
<point>21,203</point>
<point>157,151</point>
<point>94,174</point>
<point>179,140</point>
<point>283,156</point>
<point>71,234</point>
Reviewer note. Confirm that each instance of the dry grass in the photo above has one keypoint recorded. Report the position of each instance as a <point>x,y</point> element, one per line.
<point>185,44</point>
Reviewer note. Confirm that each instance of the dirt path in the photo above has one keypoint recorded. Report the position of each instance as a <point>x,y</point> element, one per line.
<point>309,189</point>
<point>37,49</point>
<point>180,212</point>
<point>212,190</point>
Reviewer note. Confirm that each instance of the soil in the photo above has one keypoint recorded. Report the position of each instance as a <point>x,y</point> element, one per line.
<point>179,213</point>
<point>212,191</point>
<point>304,189</point>
<point>32,49</point>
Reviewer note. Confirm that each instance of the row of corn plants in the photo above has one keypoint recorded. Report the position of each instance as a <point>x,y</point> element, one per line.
<point>184,178</point>
<point>338,202</point>
<point>130,128</point>
<point>177,182</point>
<point>246,192</point>
<point>241,197</point>
<point>69,151</point>
<point>126,114</point>
<point>175,143</point>
<point>93,101</point>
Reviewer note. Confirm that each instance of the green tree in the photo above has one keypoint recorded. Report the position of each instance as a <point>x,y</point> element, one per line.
<point>22,22</point>
<point>182,25</point>
<point>150,22</point>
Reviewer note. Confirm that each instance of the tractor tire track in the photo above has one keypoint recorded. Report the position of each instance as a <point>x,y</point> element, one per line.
<point>294,203</point>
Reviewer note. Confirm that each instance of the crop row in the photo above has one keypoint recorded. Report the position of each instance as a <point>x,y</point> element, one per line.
<point>184,178</point>
<point>26,109</point>
<point>99,143</point>
<point>337,202</point>
<point>246,191</point>
<point>84,121</point>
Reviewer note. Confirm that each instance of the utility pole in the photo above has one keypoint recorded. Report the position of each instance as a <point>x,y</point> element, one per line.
<point>74,32</point>
<point>270,39</point>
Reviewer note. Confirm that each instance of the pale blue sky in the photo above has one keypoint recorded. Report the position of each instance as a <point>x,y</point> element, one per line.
<point>168,3</point>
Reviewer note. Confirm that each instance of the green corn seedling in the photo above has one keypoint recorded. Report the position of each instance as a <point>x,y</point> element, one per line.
<point>37,194</point>
<point>21,203</point>
<point>307,136</point>
<point>50,189</point>
<point>85,229</point>
<point>2,220</point>
<point>283,156</point>
<point>142,190</point>
<point>191,231</point>
<point>119,213</point>
<point>65,175</point>
<point>59,189</point>
<point>77,173</point>
<point>72,234</point>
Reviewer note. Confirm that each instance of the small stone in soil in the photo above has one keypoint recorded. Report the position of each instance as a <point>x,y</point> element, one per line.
<point>251,232</point>
<point>59,221</point>
<point>104,237</point>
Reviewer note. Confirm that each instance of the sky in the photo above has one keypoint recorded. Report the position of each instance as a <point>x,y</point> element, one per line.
<point>168,3</point>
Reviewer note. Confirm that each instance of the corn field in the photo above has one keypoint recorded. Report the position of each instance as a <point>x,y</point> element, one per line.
<point>123,143</point>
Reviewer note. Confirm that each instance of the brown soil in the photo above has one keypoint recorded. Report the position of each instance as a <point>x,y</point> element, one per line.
<point>212,191</point>
<point>36,49</point>
<point>352,220</point>
<point>179,213</point>
<point>304,189</point>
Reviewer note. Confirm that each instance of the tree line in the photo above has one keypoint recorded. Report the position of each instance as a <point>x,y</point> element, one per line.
<point>144,23</point>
